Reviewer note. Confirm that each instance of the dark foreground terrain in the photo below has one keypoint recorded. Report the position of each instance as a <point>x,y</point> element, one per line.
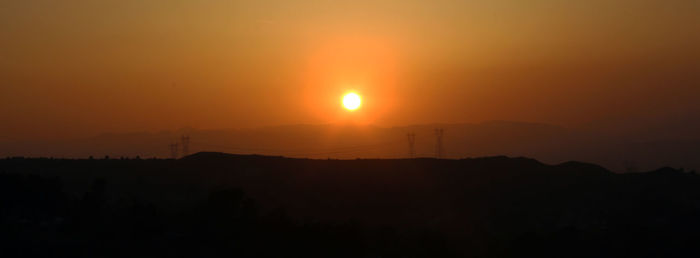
<point>220,205</point>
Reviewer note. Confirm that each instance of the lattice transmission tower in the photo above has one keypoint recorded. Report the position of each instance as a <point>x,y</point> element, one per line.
<point>411,145</point>
<point>185,141</point>
<point>174,150</point>
<point>439,132</point>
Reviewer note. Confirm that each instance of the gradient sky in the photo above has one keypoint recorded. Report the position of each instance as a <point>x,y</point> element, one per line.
<point>70,68</point>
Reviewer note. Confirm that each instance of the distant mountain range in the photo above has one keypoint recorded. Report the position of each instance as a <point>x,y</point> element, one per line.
<point>552,144</point>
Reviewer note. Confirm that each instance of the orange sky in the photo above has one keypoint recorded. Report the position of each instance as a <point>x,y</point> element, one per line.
<point>82,67</point>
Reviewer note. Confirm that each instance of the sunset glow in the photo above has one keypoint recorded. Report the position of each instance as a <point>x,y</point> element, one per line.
<point>79,69</point>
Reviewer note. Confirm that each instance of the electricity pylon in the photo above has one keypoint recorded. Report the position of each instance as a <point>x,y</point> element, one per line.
<point>411,145</point>
<point>185,141</point>
<point>174,150</point>
<point>438,142</point>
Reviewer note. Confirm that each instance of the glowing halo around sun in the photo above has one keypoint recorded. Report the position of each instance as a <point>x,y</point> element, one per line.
<point>352,101</point>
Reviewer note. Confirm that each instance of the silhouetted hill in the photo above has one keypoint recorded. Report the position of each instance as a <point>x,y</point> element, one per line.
<point>224,204</point>
<point>220,156</point>
<point>581,167</point>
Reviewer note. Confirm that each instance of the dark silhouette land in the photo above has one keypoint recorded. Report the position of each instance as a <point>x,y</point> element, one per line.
<point>224,205</point>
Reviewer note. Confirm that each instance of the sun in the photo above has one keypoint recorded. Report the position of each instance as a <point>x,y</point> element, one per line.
<point>352,101</point>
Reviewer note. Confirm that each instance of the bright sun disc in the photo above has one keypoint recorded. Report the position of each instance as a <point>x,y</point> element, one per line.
<point>352,101</point>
